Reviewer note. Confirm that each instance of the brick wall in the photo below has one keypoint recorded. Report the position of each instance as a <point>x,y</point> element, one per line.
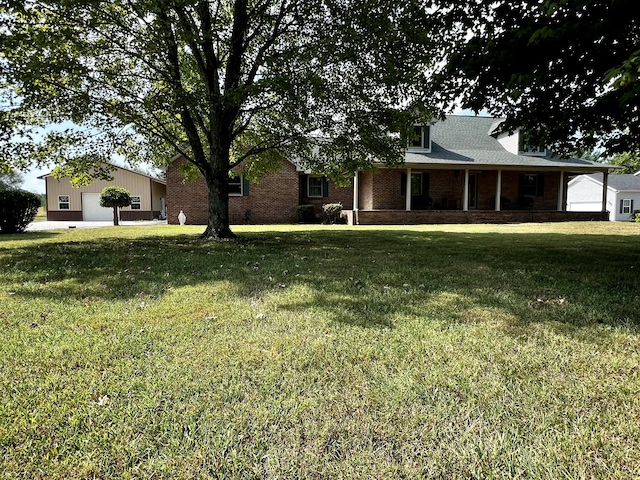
<point>273,200</point>
<point>343,195</point>
<point>418,217</point>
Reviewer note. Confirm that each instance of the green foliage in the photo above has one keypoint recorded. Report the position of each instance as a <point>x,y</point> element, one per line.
<point>18,208</point>
<point>221,82</point>
<point>636,216</point>
<point>552,68</point>
<point>115,197</point>
<point>629,160</point>
<point>10,180</point>
<point>412,352</point>
<point>306,213</point>
<point>332,211</point>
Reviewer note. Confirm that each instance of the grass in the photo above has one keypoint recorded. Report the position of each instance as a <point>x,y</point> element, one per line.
<point>41,216</point>
<point>507,351</point>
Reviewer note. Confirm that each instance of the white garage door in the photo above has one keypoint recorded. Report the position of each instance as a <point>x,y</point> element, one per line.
<point>584,206</point>
<point>92,211</point>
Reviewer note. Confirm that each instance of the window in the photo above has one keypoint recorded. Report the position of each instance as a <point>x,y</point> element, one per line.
<point>626,205</point>
<point>419,184</point>
<point>531,186</point>
<point>314,187</point>
<point>530,149</point>
<point>135,203</point>
<point>63,202</point>
<point>416,184</point>
<point>421,138</point>
<point>235,185</point>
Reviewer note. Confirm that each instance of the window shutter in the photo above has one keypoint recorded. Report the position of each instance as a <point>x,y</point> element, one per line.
<point>245,186</point>
<point>302,186</point>
<point>540,186</point>
<point>427,136</point>
<point>325,187</point>
<point>621,205</point>
<point>631,207</point>
<point>403,183</point>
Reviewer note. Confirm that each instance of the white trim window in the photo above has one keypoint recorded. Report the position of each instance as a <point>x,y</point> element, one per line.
<point>626,206</point>
<point>421,138</point>
<point>64,202</point>
<point>314,187</point>
<point>136,203</point>
<point>234,185</point>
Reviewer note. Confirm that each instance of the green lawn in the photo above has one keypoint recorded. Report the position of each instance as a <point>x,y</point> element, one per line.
<point>508,351</point>
<point>41,216</point>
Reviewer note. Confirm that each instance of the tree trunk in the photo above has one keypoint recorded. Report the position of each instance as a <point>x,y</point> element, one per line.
<point>115,216</point>
<point>218,218</point>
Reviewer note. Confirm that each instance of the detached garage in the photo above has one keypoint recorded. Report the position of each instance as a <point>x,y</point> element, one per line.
<point>92,211</point>
<point>68,203</point>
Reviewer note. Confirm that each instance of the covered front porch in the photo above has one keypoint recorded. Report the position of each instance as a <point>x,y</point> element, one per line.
<point>417,195</point>
<point>418,217</point>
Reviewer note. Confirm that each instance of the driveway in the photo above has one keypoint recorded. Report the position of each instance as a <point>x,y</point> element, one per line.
<point>40,226</point>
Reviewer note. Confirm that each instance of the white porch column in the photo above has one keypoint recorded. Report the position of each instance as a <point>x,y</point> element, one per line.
<point>561,193</point>
<point>407,202</point>
<point>498,190</point>
<point>356,193</point>
<point>605,181</point>
<point>465,197</point>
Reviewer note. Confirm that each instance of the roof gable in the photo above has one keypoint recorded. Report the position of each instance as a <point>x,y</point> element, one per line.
<point>118,167</point>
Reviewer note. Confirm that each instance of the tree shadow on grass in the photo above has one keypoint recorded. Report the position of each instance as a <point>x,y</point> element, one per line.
<point>363,278</point>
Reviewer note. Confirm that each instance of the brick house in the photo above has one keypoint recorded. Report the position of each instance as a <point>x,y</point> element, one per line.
<point>460,170</point>
<point>273,200</point>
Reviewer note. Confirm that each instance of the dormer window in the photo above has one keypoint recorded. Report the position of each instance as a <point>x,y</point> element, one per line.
<point>421,138</point>
<point>527,149</point>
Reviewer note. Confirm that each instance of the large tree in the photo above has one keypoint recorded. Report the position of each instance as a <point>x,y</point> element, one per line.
<point>565,71</point>
<point>218,81</point>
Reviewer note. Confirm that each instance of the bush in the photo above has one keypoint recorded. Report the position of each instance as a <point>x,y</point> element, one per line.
<point>115,197</point>
<point>18,208</point>
<point>636,216</point>
<point>332,211</point>
<point>306,213</point>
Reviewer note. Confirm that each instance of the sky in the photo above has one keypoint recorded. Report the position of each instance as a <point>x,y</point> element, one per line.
<point>33,184</point>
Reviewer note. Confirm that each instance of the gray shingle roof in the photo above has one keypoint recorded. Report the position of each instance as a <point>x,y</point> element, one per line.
<point>466,141</point>
<point>620,182</point>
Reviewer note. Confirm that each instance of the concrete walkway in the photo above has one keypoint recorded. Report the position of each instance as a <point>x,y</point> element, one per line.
<point>40,226</point>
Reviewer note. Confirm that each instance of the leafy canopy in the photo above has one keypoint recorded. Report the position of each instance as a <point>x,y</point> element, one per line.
<point>553,68</point>
<point>115,197</point>
<point>220,82</point>
<point>259,80</point>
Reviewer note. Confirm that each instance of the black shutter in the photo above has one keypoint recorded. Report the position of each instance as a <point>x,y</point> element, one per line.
<point>303,187</point>
<point>325,187</point>
<point>631,206</point>
<point>540,186</point>
<point>427,135</point>
<point>245,186</point>
<point>621,205</point>
<point>403,183</point>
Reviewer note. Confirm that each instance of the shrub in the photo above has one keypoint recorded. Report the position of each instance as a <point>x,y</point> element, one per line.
<point>306,213</point>
<point>115,197</point>
<point>332,211</point>
<point>636,216</point>
<point>18,208</point>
